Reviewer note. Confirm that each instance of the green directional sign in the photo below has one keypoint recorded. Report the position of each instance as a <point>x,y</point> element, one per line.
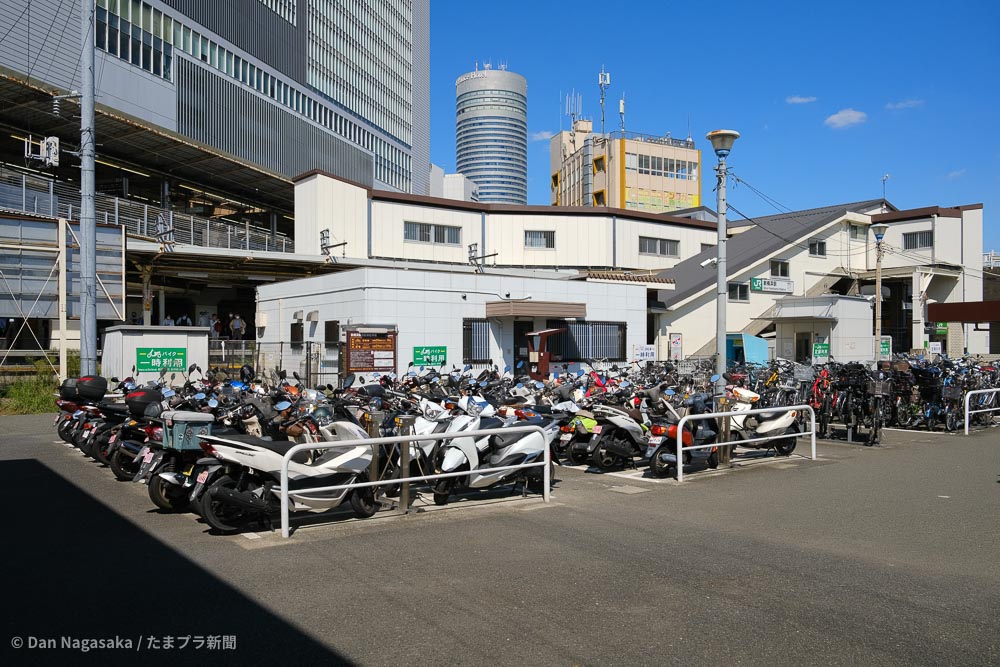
<point>821,353</point>
<point>941,328</point>
<point>430,355</point>
<point>153,359</point>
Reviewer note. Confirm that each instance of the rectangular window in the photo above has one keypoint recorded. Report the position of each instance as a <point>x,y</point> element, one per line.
<point>643,164</point>
<point>817,248</point>
<point>779,268</point>
<point>295,334</point>
<point>540,240</point>
<point>739,292</point>
<point>656,165</point>
<point>475,341</point>
<point>858,232</point>
<point>918,240</point>
<point>585,341</point>
<point>631,162</point>
<point>423,232</point>
<point>661,247</point>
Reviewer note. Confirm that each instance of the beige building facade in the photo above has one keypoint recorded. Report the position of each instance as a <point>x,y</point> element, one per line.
<point>627,170</point>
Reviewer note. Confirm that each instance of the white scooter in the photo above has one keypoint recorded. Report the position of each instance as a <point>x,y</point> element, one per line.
<point>469,453</point>
<point>748,427</point>
<point>248,485</point>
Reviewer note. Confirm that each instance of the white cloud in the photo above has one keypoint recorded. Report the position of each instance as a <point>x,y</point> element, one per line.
<point>798,99</point>
<point>955,175</point>
<point>846,118</point>
<point>543,135</point>
<point>905,104</point>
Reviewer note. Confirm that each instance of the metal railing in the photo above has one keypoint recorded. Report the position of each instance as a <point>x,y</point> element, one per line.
<point>714,415</point>
<point>978,392</point>
<point>405,439</point>
<point>43,196</point>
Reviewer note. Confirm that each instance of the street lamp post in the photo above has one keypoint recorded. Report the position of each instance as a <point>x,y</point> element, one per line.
<point>879,231</point>
<point>722,143</point>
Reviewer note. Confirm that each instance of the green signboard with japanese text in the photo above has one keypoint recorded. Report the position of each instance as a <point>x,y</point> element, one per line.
<point>154,359</point>
<point>430,355</point>
<point>821,353</point>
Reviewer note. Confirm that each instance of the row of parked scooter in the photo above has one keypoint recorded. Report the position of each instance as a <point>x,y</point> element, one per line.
<point>215,445</point>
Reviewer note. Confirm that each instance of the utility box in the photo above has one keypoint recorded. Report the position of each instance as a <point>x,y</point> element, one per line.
<point>151,349</point>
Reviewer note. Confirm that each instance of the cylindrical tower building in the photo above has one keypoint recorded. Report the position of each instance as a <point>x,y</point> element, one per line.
<point>491,134</point>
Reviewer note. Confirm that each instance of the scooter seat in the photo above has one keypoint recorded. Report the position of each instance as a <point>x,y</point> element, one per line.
<point>277,446</point>
<point>764,416</point>
<point>119,409</point>
<point>490,422</point>
<point>506,439</point>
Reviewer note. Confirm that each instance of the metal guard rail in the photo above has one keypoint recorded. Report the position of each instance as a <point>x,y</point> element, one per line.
<point>391,440</point>
<point>757,411</point>
<point>975,393</point>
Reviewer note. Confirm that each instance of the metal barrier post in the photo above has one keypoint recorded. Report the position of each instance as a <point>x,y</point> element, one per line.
<point>977,392</point>
<point>376,442</point>
<point>714,415</point>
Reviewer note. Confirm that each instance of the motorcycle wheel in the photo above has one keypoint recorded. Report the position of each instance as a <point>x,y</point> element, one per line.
<point>713,460</point>
<point>63,430</point>
<point>603,459</point>
<point>220,516</point>
<point>658,466</point>
<point>165,495</point>
<point>100,446</point>
<point>122,465</point>
<point>536,483</point>
<point>442,490</point>
<point>904,414</point>
<point>786,447</point>
<point>576,457</point>
<point>363,502</point>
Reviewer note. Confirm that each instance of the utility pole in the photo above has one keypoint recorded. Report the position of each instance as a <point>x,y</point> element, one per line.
<point>722,143</point>
<point>88,229</point>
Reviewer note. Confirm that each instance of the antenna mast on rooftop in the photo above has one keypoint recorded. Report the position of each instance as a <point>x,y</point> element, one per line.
<point>603,80</point>
<point>885,207</point>
<point>621,112</point>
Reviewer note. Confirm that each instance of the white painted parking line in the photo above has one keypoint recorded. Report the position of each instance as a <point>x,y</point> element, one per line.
<point>251,536</point>
<point>628,490</point>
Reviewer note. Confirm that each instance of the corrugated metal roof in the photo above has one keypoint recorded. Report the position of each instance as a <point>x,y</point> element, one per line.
<point>765,238</point>
<point>628,277</point>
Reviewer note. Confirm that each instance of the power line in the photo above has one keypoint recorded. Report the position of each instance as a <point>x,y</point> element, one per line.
<point>16,21</point>
<point>778,206</point>
<point>849,253</point>
<point>48,33</point>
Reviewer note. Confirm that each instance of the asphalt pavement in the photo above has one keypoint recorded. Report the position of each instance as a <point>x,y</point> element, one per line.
<point>867,556</point>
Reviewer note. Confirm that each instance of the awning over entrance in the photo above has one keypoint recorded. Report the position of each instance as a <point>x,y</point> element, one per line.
<point>552,309</point>
<point>966,311</point>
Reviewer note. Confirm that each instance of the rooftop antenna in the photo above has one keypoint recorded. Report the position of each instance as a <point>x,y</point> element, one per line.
<point>885,208</point>
<point>574,105</point>
<point>621,112</point>
<point>603,80</point>
<point>689,128</point>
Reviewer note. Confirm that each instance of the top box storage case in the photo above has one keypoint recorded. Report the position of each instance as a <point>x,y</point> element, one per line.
<point>92,387</point>
<point>138,400</point>
<point>67,390</point>
<point>182,428</point>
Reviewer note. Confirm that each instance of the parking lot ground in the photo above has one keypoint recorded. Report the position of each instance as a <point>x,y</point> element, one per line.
<point>869,556</point>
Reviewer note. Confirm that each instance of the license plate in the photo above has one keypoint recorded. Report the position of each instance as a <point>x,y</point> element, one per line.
<point>111,440</point>
<point>202,477</point>
<point>141,454</point>
<point>56,420</point>
<point>148,457</point>
<point>565,437</point>
<point>597,429</point>
<point>656,439</point>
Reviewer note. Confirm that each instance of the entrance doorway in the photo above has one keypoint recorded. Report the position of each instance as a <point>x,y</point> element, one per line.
<point>521,329</point>
<point>803,347</point>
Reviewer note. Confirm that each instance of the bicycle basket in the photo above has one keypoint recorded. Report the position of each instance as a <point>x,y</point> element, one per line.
<point>803,373</point>
<point>880,388</point>
<point>951,393</point>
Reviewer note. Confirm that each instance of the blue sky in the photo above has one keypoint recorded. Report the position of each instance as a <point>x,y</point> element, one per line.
<point>828,97</point>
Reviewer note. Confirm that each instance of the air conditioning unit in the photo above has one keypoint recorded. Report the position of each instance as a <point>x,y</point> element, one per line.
<point>297,315</point>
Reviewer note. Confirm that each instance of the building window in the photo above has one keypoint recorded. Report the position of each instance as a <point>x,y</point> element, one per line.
<point>540,240</point>
<point>586,341</point>
<point>631,162</point>
<point>599,165</point>
<point>779,268</point>
<point>739,292</point>
<point>475,341</point>
<point>599,199</point>
<point>817,248</point>
<point>661,247</point>
<point>918,240</point>
<point>858,232</point>
<point>422,232</point>
<point>644,164</point>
